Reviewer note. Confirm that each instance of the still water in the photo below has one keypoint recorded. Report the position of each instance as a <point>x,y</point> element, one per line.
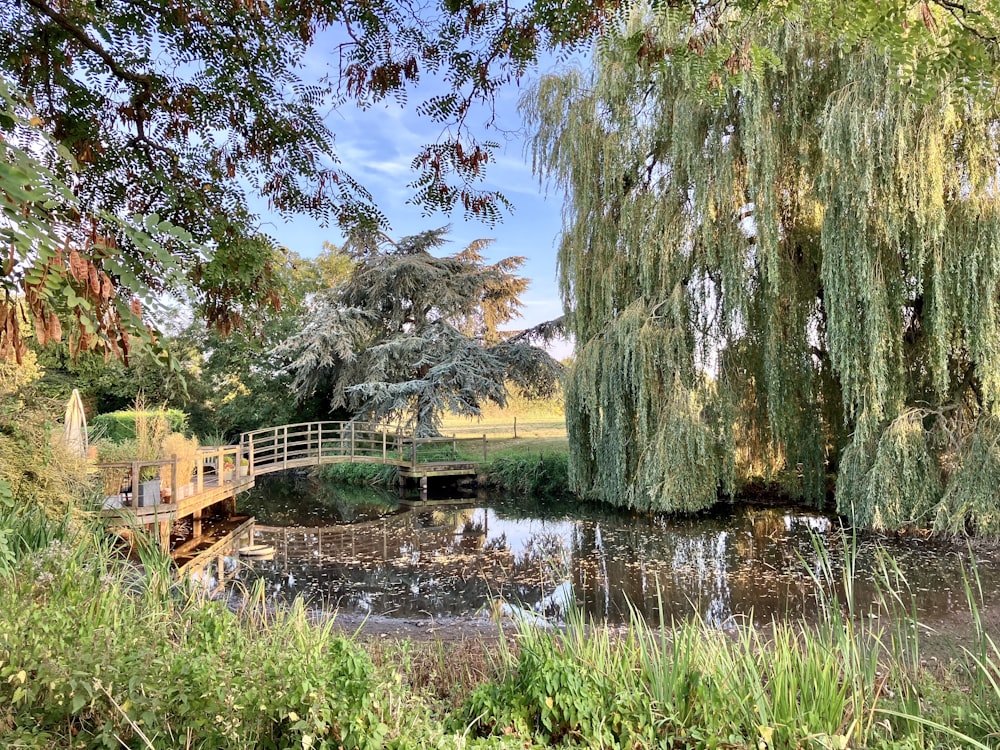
<point>359,551</point>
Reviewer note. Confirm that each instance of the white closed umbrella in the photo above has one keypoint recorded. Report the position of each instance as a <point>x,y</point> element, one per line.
<point>75,425</point>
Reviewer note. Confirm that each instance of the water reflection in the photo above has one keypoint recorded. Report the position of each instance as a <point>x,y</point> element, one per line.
<point>737,563</point>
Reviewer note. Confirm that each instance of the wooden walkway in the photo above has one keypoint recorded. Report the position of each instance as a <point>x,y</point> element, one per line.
<point>172,498</point>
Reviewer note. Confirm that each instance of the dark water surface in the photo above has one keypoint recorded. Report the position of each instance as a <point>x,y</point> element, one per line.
<point>359,551</point>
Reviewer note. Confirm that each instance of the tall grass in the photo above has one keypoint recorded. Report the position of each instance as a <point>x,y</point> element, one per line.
<point>839,682</point>
<point>24,531</point>
<point>535,474</point>
<point>96,653</point>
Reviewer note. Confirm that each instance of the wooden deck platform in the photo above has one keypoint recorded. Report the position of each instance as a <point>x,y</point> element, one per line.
<point>440,469</point>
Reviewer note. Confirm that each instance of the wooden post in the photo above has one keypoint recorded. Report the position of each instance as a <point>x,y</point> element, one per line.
<point>174,494</point>
<point>135,484</point>
<point>484,448</point>
<point>250,451</point>
<point>383,447</point>
<point>515,428</point>
<point>284,464</point>
<point>352,442</point>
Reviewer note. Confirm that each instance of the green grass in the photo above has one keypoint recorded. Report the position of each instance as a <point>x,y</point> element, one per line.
<point>360,475</point>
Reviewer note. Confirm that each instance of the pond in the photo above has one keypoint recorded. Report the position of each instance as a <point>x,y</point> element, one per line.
<point>359,551</point>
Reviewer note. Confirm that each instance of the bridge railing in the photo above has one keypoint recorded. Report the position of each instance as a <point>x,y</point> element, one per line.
<point>311,443</point>
<point>147,483</point>
<point>445,448</point>
<point>306,443</point>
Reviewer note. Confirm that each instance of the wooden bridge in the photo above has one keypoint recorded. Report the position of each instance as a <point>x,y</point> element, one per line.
<point>316,443</point>
<point>171,498</point>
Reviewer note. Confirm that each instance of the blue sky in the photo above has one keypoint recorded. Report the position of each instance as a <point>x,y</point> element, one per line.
<point>376,147</point>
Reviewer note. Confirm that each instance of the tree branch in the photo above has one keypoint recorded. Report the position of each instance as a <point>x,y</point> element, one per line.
<point>85,39</point>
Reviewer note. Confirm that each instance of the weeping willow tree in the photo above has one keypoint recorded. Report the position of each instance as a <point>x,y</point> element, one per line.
<point>789,277</point>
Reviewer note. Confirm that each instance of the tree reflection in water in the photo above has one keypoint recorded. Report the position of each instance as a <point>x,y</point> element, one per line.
<point>737,563</point>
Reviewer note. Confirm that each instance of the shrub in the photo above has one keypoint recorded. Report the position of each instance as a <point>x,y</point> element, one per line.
<point>377,475</point>
<point>118,426</point>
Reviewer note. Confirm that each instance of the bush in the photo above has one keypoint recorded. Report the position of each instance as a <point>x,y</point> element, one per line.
<point>545,474</point>
<point>117,426</point>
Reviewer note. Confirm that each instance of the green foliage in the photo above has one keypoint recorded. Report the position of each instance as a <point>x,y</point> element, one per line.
<point>971,501</point>
<point>25,531</point>
<point>411,336</point>
<point>119,426</point>
<point>936,469</point>
<point>541,475</point>
<point>96,655</point>
<point>360,474</point>
<point>764,279</point>
<point>53,277</point>
<point>550,697</point>
<point>35,468</point>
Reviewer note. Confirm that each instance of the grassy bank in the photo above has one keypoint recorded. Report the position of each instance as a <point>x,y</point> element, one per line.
<point>536,466</point>
<point>95,653</point>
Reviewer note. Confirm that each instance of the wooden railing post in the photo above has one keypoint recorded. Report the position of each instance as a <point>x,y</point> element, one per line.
<point>135,484</point>
<point>250,456</point>
<point>284,464</point>
<point>484,448</point>
<point>352,442</point>
<point>383,447</point>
